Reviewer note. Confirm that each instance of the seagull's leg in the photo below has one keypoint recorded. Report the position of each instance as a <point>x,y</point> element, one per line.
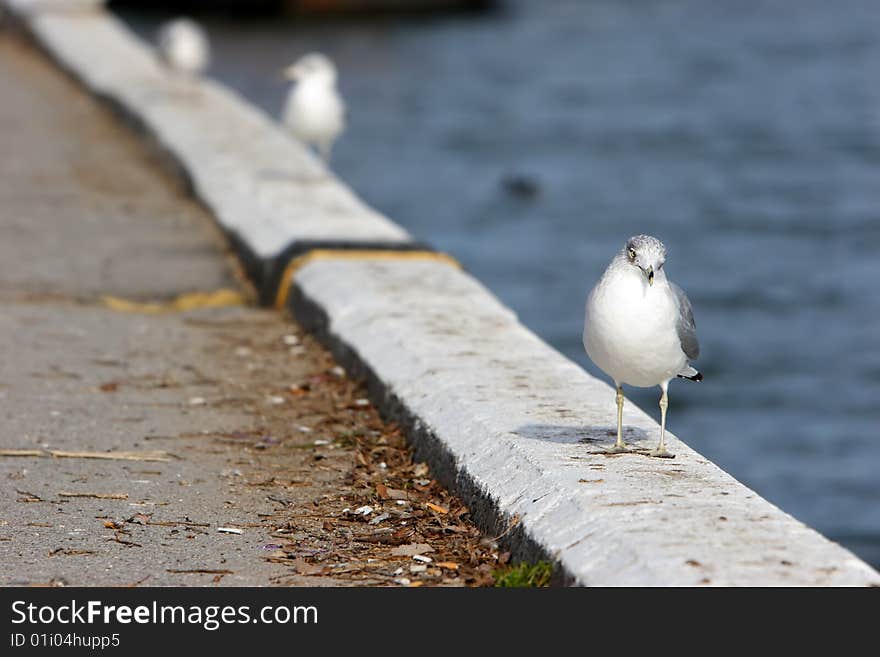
<point>619,446</point>
<point>661,451</point>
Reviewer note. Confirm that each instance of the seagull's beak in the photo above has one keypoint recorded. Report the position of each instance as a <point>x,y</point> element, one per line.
<point>650,275</point>
<point>291,72</point>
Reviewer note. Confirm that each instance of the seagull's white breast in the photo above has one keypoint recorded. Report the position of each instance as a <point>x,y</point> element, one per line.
<point>314,112</point>
<point>629,328</point>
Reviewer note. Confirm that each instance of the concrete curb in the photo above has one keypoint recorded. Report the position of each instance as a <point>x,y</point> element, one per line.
<point>505,420</point>
<point>519,431</point>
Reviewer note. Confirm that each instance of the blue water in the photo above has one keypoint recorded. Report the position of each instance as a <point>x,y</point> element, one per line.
<point>746,135</point>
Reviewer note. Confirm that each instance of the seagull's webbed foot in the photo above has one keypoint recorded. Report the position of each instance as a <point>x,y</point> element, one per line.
<point>661,453</point>
<point>619,448</point>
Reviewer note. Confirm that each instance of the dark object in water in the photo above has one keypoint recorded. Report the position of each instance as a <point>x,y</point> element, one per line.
<point>521,185</point>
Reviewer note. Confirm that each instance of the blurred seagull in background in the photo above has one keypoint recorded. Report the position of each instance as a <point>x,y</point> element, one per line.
<point>639,327</point>
<point>184,47</point>
<point>314,111</point>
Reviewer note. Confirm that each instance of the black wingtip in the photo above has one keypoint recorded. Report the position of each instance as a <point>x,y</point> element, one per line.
<point>696,377</point>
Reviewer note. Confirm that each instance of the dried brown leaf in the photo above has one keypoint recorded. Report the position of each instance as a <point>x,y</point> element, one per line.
<point>69,552</point>
<point>397,494</point>
<point>303,567</point>
<point>411,550</point>
<point>140,518</point>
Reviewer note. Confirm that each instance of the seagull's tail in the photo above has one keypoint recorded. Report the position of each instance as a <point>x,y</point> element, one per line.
<point>690,373</point>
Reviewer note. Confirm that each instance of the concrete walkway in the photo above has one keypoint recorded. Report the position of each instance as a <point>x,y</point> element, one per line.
<point>78,376</point>
<point>222,429</point>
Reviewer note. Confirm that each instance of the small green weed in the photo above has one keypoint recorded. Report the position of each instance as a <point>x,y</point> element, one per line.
<point>524,575</point>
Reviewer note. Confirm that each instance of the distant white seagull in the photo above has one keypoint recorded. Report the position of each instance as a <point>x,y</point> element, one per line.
<point>184,47</point>
<point>314,111</point>
<point>639,327</point>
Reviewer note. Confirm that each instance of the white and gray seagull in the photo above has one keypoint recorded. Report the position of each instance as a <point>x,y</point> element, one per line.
<point>314,111</point>
<point>183,47</point>
<point>639,328</point>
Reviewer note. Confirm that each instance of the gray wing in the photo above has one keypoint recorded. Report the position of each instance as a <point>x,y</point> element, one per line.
<point>687,329</point>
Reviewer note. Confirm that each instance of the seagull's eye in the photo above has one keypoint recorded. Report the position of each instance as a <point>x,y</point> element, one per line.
<point>632,253</point>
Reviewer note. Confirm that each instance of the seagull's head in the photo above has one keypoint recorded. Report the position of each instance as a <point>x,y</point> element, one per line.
<point>647,253</point>
<point>314,66</point>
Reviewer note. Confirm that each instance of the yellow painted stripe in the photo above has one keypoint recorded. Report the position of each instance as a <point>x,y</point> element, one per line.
<point>216,299</point>
<point>351,254</point>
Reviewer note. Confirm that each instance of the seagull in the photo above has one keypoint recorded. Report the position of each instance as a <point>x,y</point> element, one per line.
<point>639,328</point>
<point>183,46</point>
<point>314,111</point>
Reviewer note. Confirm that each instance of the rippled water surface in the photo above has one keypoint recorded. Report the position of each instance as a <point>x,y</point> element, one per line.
<point>746,135</point>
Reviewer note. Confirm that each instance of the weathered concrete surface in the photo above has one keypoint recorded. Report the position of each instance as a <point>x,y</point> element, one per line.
<point>88,379</point>
<point>259,183</point>
<point>68,220</point>
<point>523,431</point>
<point>83,214</point>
